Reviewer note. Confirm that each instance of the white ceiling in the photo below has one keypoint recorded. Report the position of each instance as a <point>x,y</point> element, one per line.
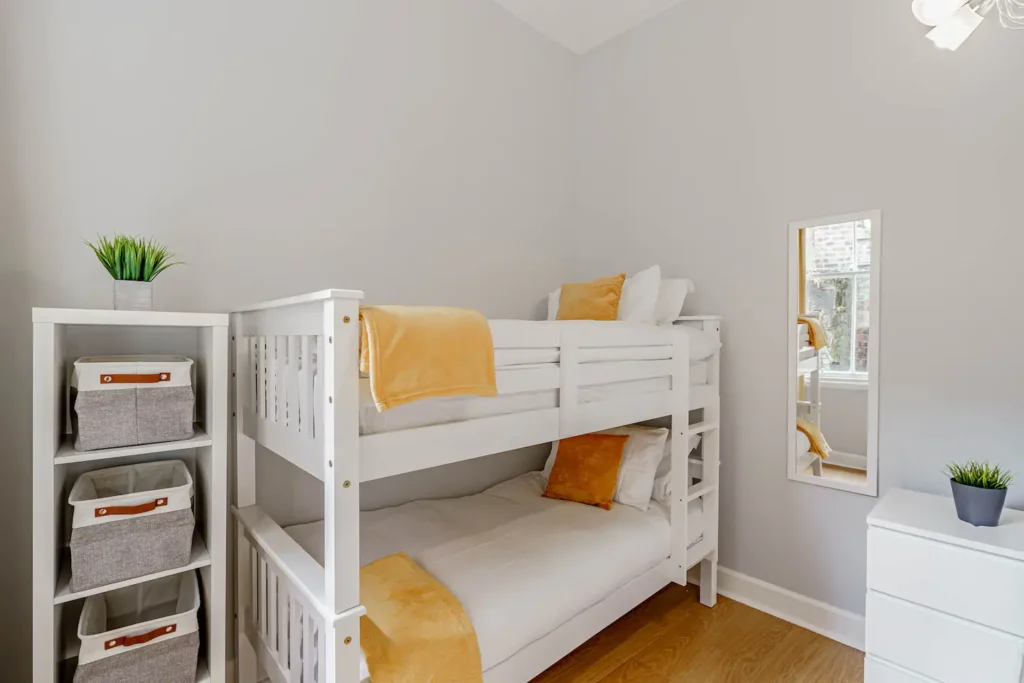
<point>583,24</point>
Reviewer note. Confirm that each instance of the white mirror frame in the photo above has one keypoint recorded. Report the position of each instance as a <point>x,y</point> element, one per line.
<point>871,487</point>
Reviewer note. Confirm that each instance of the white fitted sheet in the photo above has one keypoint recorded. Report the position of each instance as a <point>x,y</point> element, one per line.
<point>521,564</point>
<point>433,411</point>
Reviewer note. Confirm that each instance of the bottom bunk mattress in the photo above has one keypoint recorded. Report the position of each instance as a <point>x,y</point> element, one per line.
<point>521,564</point>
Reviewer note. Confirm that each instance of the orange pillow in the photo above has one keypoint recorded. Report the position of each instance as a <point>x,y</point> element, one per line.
<point>586,469</point>
<point>597,300</point>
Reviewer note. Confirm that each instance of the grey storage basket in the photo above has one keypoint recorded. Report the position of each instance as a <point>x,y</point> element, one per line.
<point>142,634</point>
<point>131,400</point>
<point>130,521</point>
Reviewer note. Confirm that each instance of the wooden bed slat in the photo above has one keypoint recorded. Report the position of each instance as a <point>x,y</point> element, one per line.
<point>389,453</point>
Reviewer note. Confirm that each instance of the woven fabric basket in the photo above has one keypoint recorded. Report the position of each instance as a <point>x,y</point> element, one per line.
<point>143,633</point>
<point>130,400</point>
<point>129,522</point>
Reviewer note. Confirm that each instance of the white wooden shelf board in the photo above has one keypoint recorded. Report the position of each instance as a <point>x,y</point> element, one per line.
<point>86,316</point>
<point>67,454</point>
<point>200,557</point>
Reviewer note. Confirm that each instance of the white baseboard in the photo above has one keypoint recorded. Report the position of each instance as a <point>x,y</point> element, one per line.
<point>851,460</point>
<point>813,615</point>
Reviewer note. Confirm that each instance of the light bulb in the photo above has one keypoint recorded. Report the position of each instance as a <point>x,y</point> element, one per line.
<point>934,12</point>
<point>951,34</point>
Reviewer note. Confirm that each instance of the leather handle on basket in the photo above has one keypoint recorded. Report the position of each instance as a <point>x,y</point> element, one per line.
<point>155,378</point>
<point>128,641</point>
<point>130,509</point>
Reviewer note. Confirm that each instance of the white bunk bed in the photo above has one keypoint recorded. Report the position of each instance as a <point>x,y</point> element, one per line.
<point>808,374</point>
<point>298,615</point>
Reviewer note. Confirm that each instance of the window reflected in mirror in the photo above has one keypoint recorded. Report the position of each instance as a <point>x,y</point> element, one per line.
<point>833,356</point>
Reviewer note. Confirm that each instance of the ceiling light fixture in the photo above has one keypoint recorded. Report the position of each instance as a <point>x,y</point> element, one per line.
<point>953,31</point>
<point>955,20</point>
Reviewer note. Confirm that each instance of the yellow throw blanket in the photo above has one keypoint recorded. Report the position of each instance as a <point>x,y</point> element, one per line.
<point>416,352</point>
<point>816,334</point>
<point>819,446</point>
<point>415,630</point>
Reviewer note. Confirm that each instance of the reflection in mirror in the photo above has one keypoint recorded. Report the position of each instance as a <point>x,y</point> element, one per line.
<point>834,267</point>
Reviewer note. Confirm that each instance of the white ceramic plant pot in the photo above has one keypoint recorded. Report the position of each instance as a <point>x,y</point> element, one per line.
<point>130,295</point>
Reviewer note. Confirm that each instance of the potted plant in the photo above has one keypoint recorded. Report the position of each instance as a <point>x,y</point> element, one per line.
<point>134,263</point>
<point>979,491</point>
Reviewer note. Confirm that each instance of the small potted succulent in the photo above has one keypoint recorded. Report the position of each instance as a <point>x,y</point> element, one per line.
<point>134,263</point>
<point>979,491</point>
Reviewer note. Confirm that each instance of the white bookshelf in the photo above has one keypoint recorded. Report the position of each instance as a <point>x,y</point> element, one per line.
<point>59,337</point>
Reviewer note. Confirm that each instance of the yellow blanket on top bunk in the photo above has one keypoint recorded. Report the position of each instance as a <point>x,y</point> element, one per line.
<point>813,433</point>
<point>816,335</point>
<point>416,352</point>
<point>415,630</point>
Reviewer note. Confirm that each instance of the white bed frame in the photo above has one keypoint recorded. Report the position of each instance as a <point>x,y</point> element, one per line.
<point>298,622</point>
<point>808,371</point>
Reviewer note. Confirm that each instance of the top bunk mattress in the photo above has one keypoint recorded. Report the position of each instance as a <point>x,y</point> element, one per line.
<point>521,564</point>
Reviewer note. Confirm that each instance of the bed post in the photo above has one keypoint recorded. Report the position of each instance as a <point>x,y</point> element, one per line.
<point>247,665</point>
<point>680,453</point>
<point>339,349</point>
<point>711,457</point>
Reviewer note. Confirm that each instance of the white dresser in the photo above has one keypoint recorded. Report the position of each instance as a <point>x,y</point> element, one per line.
<point>945,600</point>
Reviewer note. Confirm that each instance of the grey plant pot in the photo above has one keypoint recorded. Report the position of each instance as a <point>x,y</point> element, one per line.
<point>130,295</point>
<point>980,507</point>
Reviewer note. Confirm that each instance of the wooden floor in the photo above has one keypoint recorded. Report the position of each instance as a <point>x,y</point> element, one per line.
<point>672,637</point>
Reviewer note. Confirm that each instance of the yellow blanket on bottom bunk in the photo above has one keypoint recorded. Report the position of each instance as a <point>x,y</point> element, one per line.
<point>813,433</point>
<point>415,630</point>
<point>416,352</point>
<point>816,335</point>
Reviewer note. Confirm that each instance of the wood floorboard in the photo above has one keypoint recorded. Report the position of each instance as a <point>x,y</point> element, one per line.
<point>672,638</point>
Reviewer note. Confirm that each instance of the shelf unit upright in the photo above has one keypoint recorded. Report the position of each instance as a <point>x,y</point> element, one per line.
<point>59,337</point>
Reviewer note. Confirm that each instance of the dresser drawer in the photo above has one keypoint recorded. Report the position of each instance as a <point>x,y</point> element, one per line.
<point>878,671</point>
<point>984,588</point>
<point>940,646</point>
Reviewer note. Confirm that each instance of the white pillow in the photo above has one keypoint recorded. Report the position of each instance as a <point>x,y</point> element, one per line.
<point>662,491</point>
<point>639,297</point>
<point>803,444</point>
<point>671,297</point>
<point>640,458</point>
<point>553,299</point>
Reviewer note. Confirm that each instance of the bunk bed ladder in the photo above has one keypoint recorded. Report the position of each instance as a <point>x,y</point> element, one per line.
<point>705,551</point>
<point>710,449</point>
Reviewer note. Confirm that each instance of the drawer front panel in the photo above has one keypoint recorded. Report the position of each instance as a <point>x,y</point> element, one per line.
<point>877,671</point>
<point>984,588</point>
<point>940,646</point>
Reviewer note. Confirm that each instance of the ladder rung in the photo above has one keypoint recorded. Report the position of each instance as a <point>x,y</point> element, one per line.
<point>701,427</point>
<point>699,490</point>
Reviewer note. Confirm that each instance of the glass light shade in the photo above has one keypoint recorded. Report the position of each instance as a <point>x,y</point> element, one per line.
<point>934,12</point>
<point>952,33</point>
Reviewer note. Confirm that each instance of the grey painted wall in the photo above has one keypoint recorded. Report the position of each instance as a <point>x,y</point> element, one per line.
<point>707,131</point>
<point>429,156</point>
<point>417,150</point>
<point>844,420</point>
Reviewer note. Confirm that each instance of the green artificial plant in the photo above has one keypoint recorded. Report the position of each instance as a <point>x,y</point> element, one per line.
<point>980,475</point>
<point>132,258</point>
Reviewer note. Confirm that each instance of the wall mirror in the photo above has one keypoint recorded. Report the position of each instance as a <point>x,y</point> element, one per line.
<point>834,266</point>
